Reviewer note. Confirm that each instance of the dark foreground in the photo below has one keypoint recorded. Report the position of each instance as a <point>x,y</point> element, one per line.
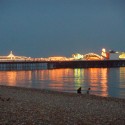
<point>21,106</point>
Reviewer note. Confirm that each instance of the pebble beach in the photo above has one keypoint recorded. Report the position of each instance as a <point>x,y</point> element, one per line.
<point>27,106</point>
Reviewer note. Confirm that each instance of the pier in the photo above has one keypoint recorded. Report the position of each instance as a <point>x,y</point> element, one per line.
<point>39,65</point>
<point>22,65</point>
<point>90,60</point>
<point>87,64</point>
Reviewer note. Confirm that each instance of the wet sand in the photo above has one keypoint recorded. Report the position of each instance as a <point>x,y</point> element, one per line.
<point>25,106</point>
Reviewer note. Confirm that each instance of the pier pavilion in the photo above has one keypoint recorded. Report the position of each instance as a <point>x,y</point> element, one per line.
<point>11,57</point>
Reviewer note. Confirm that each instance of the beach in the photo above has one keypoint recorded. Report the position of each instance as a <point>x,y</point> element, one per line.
<point>28,106</point>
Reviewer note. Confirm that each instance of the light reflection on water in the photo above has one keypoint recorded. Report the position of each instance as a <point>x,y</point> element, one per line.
<point>102,81</point>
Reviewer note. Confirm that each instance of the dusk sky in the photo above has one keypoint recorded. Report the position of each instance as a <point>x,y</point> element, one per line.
<point>42,28</point>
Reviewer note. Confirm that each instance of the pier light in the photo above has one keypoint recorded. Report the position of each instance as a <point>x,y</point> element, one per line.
<point>11,55</point>
<point>104,54</point>
<point>104,50</point>
<point>92,56</point>
<point>77,56</point>
<point>122,56</point>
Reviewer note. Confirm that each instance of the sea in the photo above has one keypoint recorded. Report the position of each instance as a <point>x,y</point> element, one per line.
<point>107,82</point>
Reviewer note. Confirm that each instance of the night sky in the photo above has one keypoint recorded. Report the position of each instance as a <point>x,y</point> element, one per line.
<point>42,28</point>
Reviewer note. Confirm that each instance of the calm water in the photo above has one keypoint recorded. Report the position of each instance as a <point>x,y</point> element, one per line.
<point>102,81</point>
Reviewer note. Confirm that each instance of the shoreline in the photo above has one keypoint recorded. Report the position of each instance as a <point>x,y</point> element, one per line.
<point>31,106</point>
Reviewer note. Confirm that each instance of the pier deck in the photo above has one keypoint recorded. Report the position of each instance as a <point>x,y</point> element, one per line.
<point>38,65</point>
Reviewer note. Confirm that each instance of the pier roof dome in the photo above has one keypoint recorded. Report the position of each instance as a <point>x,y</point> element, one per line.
<point>92,56</point>
<point>11,54</point>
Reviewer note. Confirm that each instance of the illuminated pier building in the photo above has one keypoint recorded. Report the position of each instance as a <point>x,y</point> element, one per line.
<point>110,55</point>
<point>11,56</point>
<point>91,60</point>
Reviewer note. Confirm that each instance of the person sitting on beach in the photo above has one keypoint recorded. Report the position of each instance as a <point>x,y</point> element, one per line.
<point>79,90</point>
<point>88,90</point>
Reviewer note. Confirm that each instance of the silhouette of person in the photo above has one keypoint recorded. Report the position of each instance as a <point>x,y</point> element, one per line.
<point>88,90</point>
<point>79,90</point>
